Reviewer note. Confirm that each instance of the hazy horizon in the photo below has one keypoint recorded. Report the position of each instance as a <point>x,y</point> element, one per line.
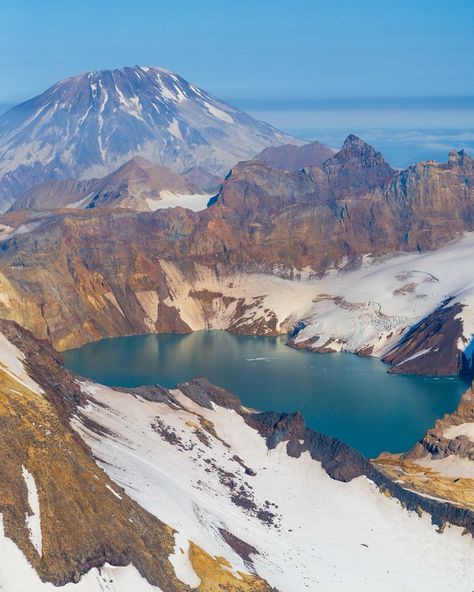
<point>399,78</point>
<point>405,130</point>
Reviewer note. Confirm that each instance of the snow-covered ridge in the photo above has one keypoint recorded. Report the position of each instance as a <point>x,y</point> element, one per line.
<point>323,532</point>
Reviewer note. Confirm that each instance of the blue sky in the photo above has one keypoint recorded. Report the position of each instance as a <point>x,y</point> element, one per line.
<point>319,69</point>
<point>257,49</point>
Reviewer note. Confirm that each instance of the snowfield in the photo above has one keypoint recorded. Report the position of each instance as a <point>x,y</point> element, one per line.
<point>374,305</point>
<point>168,199</point>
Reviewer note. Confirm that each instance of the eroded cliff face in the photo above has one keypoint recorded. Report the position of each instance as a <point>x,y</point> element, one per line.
<point>77,276</point>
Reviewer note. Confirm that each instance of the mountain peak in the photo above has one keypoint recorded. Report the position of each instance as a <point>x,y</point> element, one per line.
<point>89,125</point>
<point>353,140</point>
<point>356,150</point>
<point>459,158</point>
<point>125,70</point>
<point>357,167</point>
<point>355,145</point>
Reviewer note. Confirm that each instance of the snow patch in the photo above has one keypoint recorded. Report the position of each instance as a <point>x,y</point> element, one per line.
<point>12,362</point>
<point>464,429</point>
<point>181,563</point>
<point>168,199</point>
<point>114,492</point>
<point>422,352</point>
<point>222,115</point>
<point>33,521</point>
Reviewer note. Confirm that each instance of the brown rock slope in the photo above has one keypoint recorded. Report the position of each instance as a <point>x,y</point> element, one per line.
<point>74,276</point>
<point>77,499</point>
<point>290,157</point>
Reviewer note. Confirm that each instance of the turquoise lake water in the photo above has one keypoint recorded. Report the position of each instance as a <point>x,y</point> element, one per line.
<point>343,395</point>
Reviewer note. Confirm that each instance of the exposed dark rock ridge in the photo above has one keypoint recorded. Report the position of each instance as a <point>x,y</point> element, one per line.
<point>154,392</point>
<point>243,549</point>
<point>339,460</point>
<point>203,393</point>
<point>437,335</point>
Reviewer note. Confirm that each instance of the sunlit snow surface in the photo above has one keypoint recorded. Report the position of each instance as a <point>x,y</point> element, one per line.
<point>327,534</point>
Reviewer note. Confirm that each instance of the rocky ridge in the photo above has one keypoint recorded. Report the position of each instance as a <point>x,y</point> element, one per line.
<point>138,185</point>
<point>290,157</point>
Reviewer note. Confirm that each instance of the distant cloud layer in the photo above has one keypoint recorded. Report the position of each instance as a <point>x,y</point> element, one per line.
<point>405,130</point>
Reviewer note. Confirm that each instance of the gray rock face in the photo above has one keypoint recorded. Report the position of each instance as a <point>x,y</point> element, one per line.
<point>89,125</point>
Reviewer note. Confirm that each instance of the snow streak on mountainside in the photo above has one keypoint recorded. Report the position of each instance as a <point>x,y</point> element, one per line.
<point>88,125</point>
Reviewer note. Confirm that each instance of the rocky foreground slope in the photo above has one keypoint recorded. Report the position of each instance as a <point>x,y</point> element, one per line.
<point>150,489</point>
<point>352,256</point>
<point>441,465</point>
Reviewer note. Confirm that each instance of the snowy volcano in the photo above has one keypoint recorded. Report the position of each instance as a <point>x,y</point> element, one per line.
<point>88,125</point>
